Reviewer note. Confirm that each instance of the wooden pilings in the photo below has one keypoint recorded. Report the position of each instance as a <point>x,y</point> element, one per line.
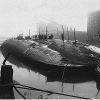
<point>6,86</point>
<point>6,74</point>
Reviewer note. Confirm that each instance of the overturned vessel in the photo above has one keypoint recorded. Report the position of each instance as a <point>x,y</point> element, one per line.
<point>45,55</point>
<point>74,54</point>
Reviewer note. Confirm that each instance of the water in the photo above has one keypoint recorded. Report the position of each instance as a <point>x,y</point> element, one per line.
<point>29,74</point>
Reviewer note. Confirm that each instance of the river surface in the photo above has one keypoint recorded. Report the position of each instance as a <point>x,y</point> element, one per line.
<point>29,74</point>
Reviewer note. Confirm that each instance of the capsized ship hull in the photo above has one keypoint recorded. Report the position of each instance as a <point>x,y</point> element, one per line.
<point>37,53</point>
<point>70,52</point>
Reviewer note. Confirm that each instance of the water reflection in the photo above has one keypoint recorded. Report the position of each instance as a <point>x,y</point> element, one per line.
<point>53,76</point>
<point>97,79</point>
<point>67,80</point>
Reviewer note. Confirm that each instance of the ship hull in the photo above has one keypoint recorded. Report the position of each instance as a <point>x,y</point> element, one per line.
<point>25,50</point>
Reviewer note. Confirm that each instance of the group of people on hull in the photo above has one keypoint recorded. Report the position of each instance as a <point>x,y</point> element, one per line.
<point>43,36</point>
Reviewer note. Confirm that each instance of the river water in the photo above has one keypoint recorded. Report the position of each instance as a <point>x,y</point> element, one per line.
<point>29,74</point>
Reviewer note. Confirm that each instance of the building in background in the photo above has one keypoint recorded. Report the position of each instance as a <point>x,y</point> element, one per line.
<point>93,26</point>
<point>56,30</point>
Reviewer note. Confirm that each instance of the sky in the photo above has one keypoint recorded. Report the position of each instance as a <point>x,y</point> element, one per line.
<point>21,15</point>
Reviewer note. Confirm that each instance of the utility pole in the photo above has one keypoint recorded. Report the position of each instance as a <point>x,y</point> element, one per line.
<point>29,32</point>
<point>74,36</point>
<point>68,33</point>
<point>62,35</point>
<point>39,31</point>
<point>57,33</point>
<point>98,33</point>
<point>22,32</point>
<point>46,33</point>
<point>39,34</point>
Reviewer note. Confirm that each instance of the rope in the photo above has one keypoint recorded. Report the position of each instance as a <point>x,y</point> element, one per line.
<point>50,92</point>
<point>40,97</point>
<point>9,53</point>
<point>31,88</point>
<point>19,92</point>
<point>48,95</point>
<point>10,84</point>
<point>63,72</point>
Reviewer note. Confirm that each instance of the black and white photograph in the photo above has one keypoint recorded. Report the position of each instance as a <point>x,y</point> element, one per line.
<point>50,49</point>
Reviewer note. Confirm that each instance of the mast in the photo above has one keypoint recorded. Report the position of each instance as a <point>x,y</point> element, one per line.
<point>22,32</point>
<point>63,35</point>
<point>68,33</point>
<point>29,32</point>
<point>74,36</point>
<point>46,33</point>
<point>57,33</point>
<point>39,31</point>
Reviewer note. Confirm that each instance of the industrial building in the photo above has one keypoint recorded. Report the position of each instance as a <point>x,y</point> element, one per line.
<point>93,26</point>
<point>57,30</point>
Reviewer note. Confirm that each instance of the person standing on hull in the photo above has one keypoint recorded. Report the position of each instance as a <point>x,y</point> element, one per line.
<point>62,37</point>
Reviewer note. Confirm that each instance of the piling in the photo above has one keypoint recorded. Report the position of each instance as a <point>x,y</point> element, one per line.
<point>6,74</point>
<point>6,84</point>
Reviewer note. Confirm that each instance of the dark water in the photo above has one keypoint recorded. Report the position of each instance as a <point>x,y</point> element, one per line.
<point>85,85</point>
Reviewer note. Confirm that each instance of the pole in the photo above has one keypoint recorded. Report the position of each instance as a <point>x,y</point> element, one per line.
<point>57,33</point>
<point>22,32</point>
<point>29,33</point>
<point>6,74</point>
<point>63,35</point>
<point>39,31</point>
<point>46,33</point>
<point>68,33</point>
<point>74,36</point>
<point>98,33</point>
<point>39,34</point>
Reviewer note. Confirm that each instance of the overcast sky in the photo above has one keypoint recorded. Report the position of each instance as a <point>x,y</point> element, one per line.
<point>18,15</point>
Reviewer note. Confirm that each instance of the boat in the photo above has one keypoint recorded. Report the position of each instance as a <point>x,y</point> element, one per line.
<point>42,55</point>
